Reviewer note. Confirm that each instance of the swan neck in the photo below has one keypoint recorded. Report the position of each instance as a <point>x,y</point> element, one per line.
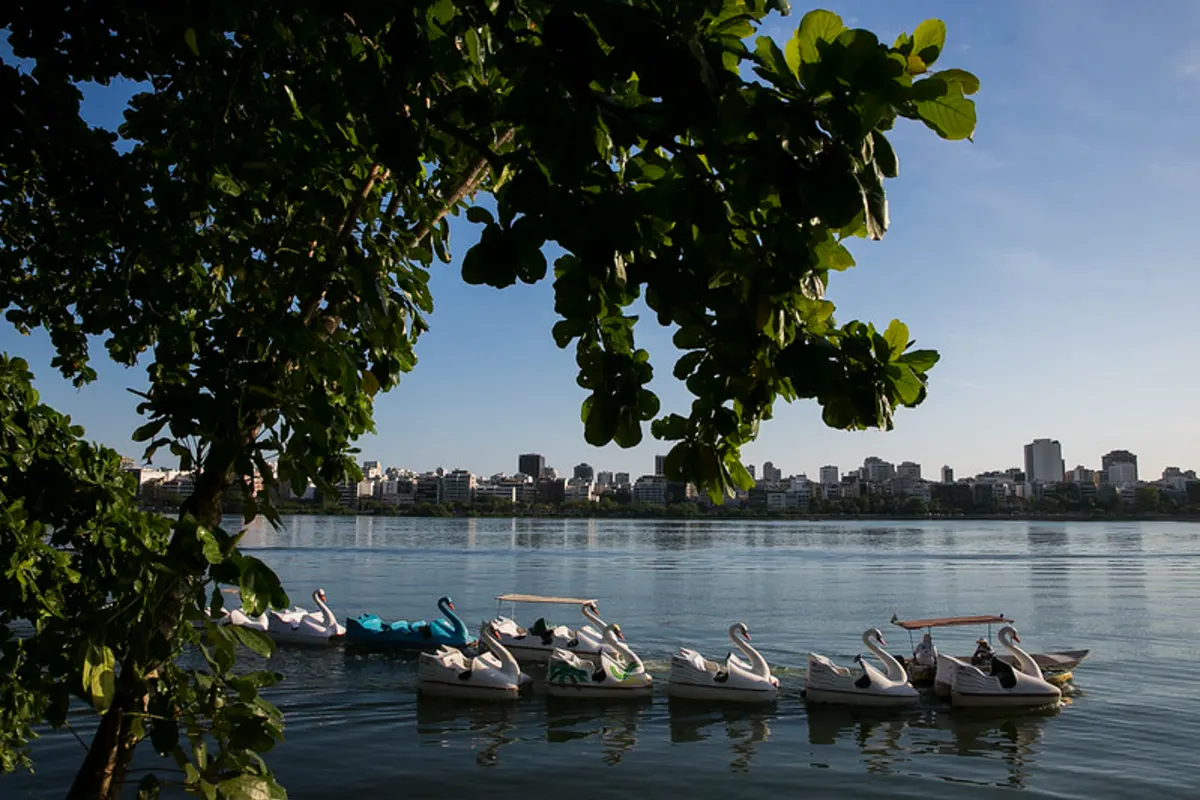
<point>760,664</point>
<point>631,658</point>
<point>592,617</point>
<point>1024,660</point>
<point>330,619</point>
<point>895,672</point>
<point>444,606</point>
<point>506,658</point>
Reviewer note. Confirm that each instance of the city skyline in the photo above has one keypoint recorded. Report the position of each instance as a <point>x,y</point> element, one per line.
<point>976,262</point>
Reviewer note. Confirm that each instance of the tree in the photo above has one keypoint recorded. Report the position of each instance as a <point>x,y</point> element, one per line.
<point>260,233</point>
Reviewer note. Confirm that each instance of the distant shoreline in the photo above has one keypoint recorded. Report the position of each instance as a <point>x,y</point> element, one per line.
<point>674,513</point>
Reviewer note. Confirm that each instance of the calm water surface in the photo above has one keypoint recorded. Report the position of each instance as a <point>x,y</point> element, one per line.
<point>1129,591</point>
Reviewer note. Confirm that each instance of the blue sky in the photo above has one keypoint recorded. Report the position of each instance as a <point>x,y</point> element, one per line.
<point>1050,262</point>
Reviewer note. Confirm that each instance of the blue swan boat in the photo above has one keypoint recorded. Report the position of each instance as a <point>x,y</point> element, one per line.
<point>370,629</point>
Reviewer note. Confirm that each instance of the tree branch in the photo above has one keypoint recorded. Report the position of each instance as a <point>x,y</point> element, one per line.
<point>467,184</point>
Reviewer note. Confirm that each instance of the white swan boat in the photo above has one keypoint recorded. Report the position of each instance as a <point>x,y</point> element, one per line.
<point>1004,686</point>
<point>493,675</point>
<point>534,645</point>
<point>826,682</point>
<point>695,677</point>
<point>1057,667</point>
<point>301,626</point>
<point>570,676</point>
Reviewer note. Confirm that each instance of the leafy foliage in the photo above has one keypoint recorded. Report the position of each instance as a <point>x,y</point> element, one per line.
<point>260,234</point>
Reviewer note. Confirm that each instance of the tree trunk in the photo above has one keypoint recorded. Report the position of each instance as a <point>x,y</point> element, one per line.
<point>102,774</point>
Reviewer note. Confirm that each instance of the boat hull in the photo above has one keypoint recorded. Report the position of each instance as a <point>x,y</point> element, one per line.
<point>859,697</point>
<point>599,692</point>
<point>1003,700</point>
<point>308,640</point>
<point>433,687</point>
<point>723,694</point>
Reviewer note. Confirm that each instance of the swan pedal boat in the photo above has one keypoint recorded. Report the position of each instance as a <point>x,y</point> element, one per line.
<point>826,682</point>
<point>370,629</point>
<point>1057,667</point>
<point>536,644</point>
<point>296,625</point>
<point>1005,686</point>
<point>568,675</point>
<point>493,675</point>
<point>693,677</point>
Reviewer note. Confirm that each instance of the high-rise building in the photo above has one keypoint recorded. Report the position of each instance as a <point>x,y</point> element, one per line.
<point>584,472</point>
<point>1044,462</point>
<point>1119,457</point>
<point>458,487</point>
<point>908,469</point>
<point>829,475</point>
<point>750,469</point>
<point>621,479</point>
<point>876,470</point>
<point>660,465</point>
<point>604,478</point>
<point>371,470</point>
<point>531,464</point>
<point>772,474</point>
<point>1121,473</point>
<point>947,474</point>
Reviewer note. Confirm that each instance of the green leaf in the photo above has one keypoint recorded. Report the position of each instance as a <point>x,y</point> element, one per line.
<point>479,214</point>
<point>189,36</point>
<point>928,40</point>
<point>150,429</point>
<point>259,587</point>
<point>965,81</point>
<point>816,26</point>
<point>248,787</point>
<point>773,59</point>
<point>254,640</point>
<point>896,337</point>
<point>370,384</point>
<point>952,116</point>
<point>210,546</point>
<point>98,675</point>
<point>885,156</point>
<point>292,99</point>
<point>738,473</point>
<point>920,360</point>
<point>907,385</point>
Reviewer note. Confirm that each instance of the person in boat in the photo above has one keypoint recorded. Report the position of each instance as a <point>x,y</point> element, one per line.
<point>983,654</point>
<point>925,653</point>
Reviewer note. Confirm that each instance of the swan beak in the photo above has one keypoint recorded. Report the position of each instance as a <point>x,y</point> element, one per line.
<point>882,643</point>
<point>450,606</point>
<point>747,636</point>
<point>1016,638</point>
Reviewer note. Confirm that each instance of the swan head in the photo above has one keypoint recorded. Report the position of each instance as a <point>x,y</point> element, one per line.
<point>877,635</point>
<point>448,602</point>
<point>741,628</point>
<point>592,607</point>
<point>1011,632</point>
<point>616,631</point>
<point>320,593</point>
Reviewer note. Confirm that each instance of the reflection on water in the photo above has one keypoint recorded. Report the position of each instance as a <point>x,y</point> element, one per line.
<point>614,724</point>
<point>744,727</point>
<point>488,726</point>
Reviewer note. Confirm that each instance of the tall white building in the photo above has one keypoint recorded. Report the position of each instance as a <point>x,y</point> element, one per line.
<point>458,487</point>
<point>1122,473</point>
<point>829,475</point>
<point>947,474</point>
<point>876,470</point>
<point>650,489</point>
<point>909,469</point>
<point>771,474</point>
<point>660,465</point>
<point>1044,462</point>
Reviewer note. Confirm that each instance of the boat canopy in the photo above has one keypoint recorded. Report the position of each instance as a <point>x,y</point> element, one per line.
<point>943,622</point>
<point>537,598</point>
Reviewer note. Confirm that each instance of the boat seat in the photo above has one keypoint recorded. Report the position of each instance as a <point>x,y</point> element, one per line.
<point>1004,672</point>
<point>721,676</point>
<point>864,681</point>
<point>542,628</point>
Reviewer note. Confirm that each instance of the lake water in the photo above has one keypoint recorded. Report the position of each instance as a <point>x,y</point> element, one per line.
<point>355,727</point>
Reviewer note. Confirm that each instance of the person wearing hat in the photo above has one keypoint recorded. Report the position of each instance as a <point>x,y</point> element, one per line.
<point>925,653</point>
<point>983,653</point>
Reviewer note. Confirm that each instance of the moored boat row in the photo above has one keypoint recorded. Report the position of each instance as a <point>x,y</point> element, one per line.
<point>595,661</point>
